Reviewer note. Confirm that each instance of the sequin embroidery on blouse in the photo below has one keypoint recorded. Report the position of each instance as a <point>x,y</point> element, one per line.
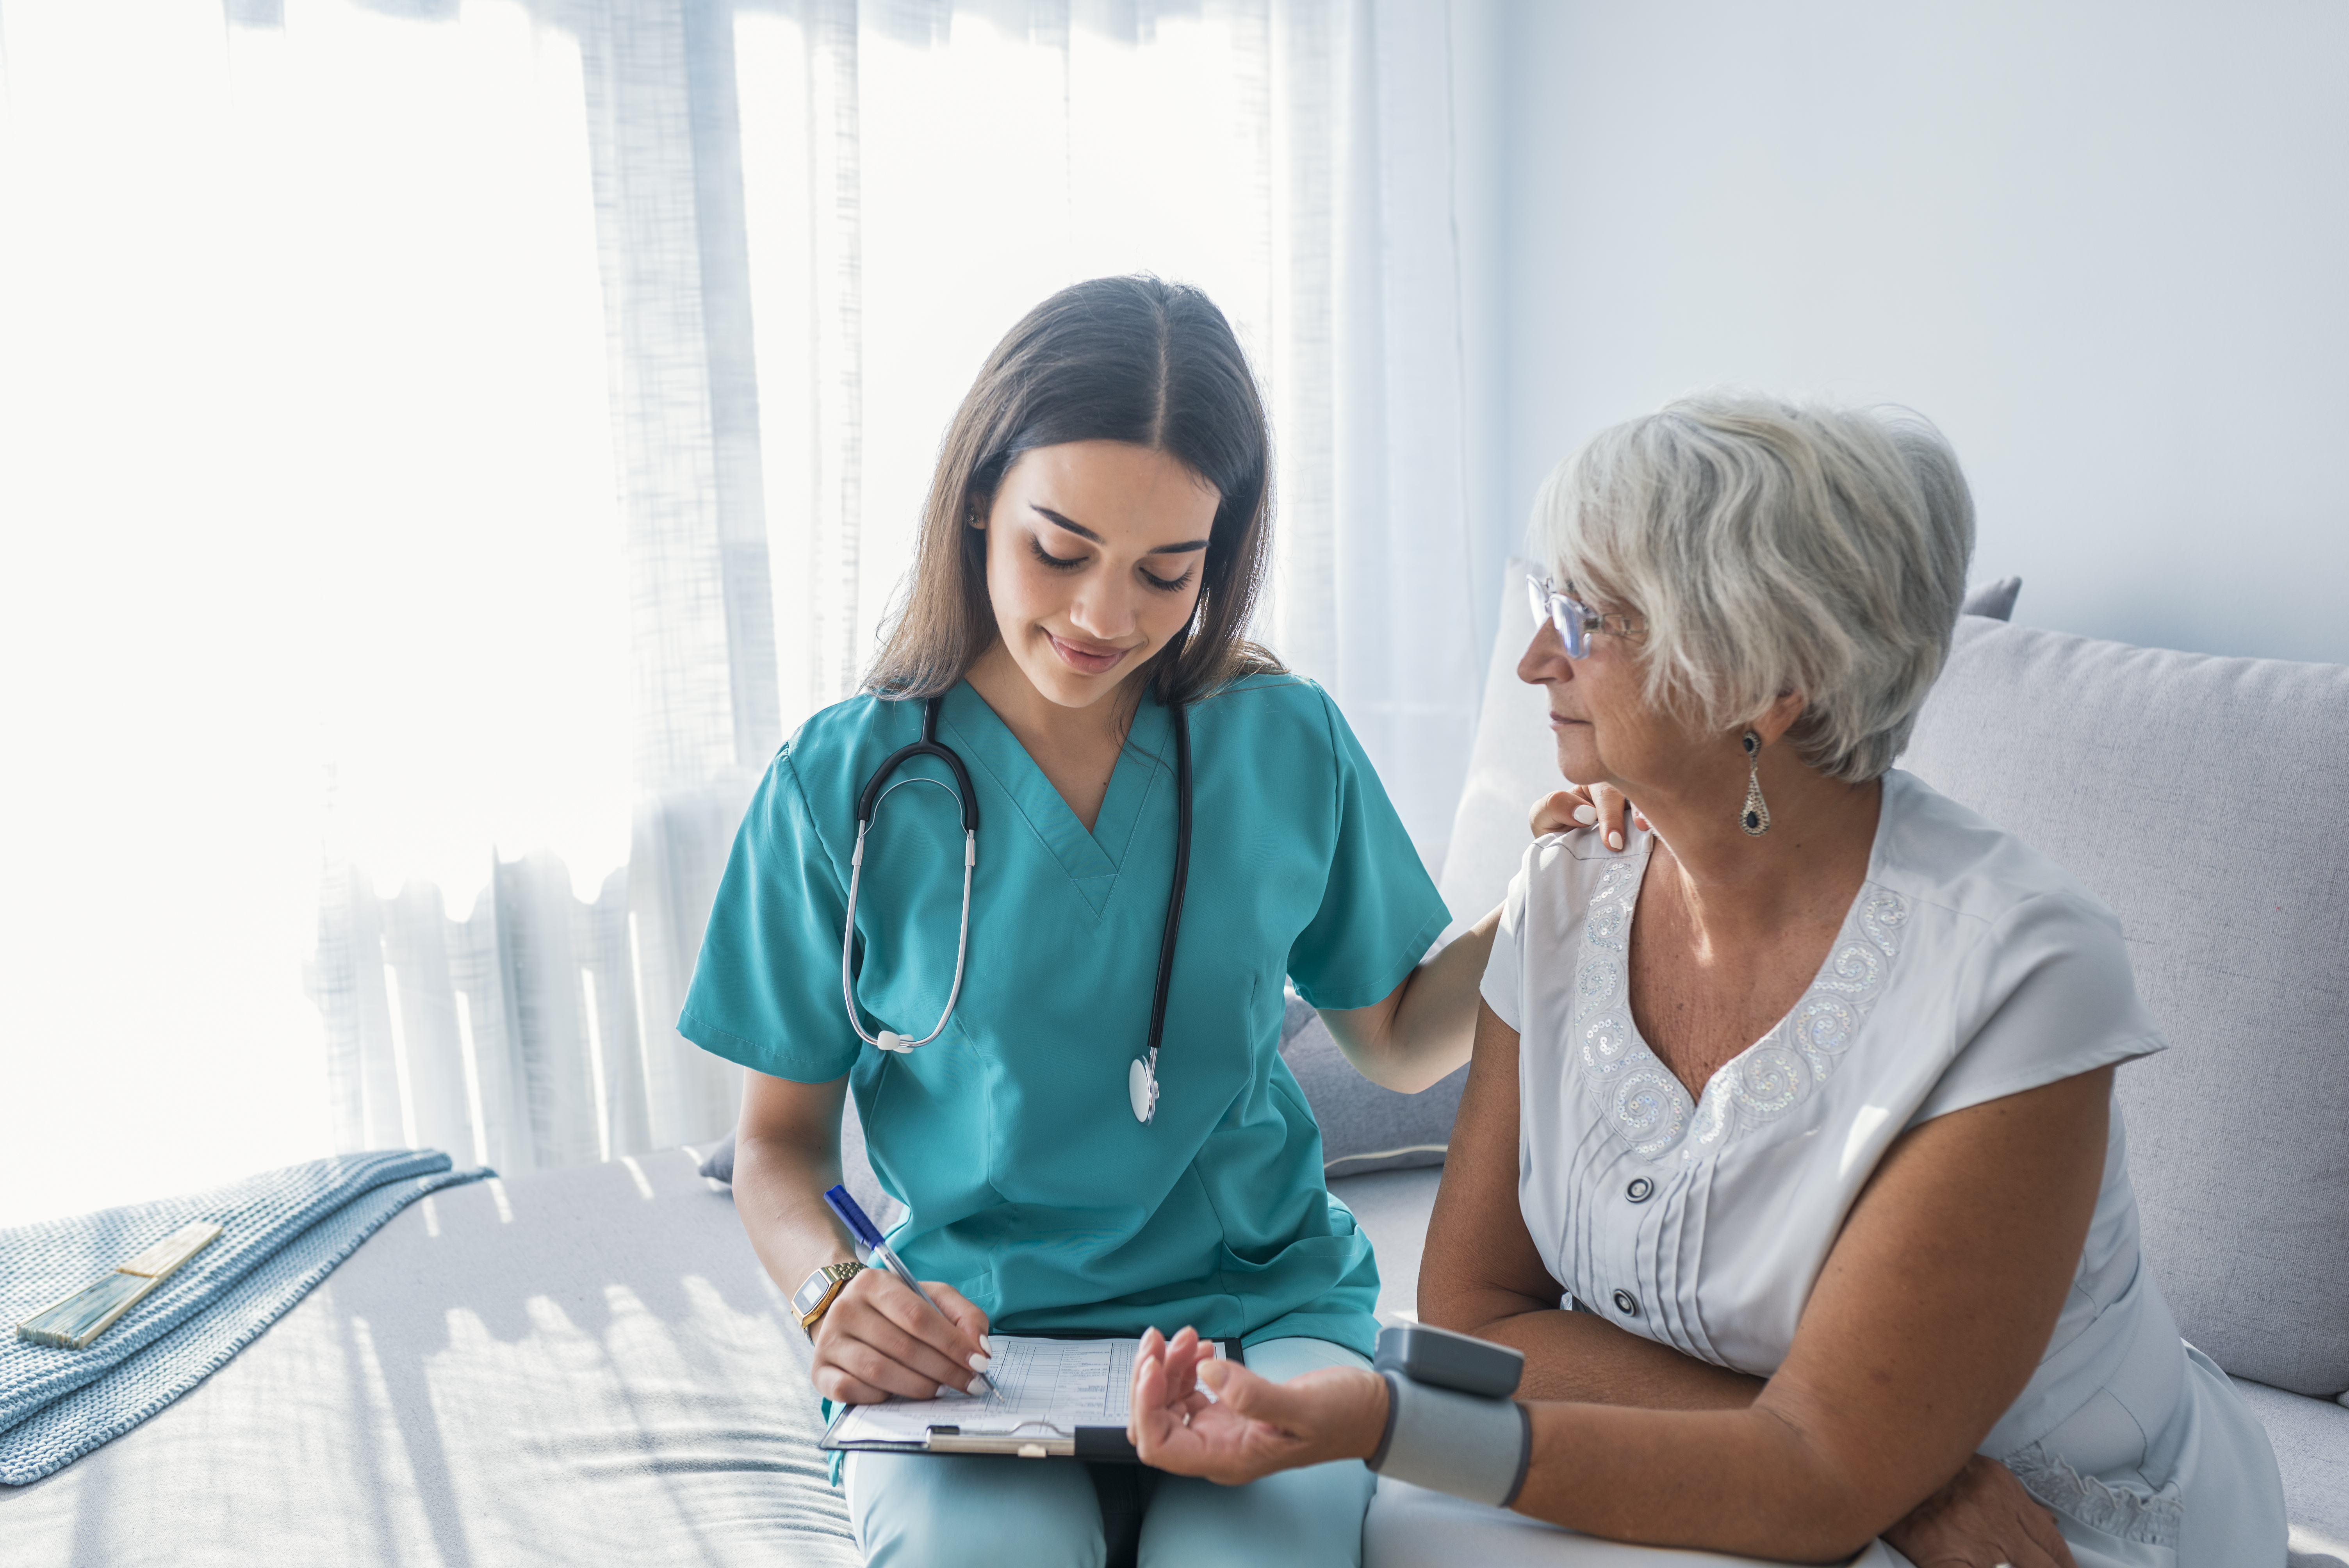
<point>1638,1095</point>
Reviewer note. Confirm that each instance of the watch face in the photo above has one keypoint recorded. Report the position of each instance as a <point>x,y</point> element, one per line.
<point>803,1301</point>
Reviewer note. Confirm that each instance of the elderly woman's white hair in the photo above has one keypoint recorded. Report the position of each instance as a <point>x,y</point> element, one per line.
<point>1775,547</point>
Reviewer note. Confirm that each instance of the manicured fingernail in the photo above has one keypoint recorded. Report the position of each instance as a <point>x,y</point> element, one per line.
<point>977,1387</point>
<point>1614,840</point>
<point>979,1360</point>
<point>944,1392</point>
<point>1586,815</point>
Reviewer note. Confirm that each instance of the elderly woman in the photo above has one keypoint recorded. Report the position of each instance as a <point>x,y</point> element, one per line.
<point>1788,1156</point>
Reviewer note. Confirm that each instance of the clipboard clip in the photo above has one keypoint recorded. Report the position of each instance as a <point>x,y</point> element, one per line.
<point>1049,1441</point>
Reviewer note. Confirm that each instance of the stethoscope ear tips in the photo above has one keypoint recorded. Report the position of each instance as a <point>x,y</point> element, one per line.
<point>891,1040</point>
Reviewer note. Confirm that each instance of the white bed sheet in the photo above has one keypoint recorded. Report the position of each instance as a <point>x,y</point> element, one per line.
<point>581,1366</point>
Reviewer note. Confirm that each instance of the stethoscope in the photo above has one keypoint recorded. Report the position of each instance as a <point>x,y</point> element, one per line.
<point>1142,1074</point>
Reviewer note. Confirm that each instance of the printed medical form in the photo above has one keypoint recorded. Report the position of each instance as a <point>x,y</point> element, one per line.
<point>1049,1387</point>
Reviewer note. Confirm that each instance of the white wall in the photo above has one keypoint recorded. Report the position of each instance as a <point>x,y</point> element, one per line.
<point>2104,246</point>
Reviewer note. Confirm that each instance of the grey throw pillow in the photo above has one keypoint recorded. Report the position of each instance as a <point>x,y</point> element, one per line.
<point>1364,1128</point>
<point>719,1164</point>
<point>1995,600</point>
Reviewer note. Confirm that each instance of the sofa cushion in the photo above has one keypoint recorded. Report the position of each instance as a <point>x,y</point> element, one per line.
<point>1364,1128</point>
<point>1393,1208</point>
<point>2205,800</point>
<point>2310,1437</point>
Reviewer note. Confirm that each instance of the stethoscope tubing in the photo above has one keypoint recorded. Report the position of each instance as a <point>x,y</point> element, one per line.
<point>888,1041</point>
<point>1182,880</point>
<point>878,789</point>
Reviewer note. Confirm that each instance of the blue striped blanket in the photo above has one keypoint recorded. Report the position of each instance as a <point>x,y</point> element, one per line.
<point>283,1232</point>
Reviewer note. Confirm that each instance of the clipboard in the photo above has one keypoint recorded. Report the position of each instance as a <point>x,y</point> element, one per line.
<point>1050,1381</point>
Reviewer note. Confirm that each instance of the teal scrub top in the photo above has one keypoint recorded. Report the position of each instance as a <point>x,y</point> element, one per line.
<point>1027,1183</point>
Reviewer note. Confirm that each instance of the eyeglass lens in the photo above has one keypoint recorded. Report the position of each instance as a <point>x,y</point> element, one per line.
<point>1562,613</point>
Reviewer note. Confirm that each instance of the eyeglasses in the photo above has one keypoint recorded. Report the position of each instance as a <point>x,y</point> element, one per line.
<point>1575,620</point>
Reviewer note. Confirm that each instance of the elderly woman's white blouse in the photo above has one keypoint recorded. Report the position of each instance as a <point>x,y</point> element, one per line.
<point>1969,968</point>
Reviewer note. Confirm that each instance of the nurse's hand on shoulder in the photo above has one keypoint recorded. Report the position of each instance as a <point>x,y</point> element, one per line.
<point>1195,1413</point>
<point>877,1339</point>
<point>1585,806</point>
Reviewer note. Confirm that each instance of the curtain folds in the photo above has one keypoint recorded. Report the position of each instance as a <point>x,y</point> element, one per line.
<point>812,218</point>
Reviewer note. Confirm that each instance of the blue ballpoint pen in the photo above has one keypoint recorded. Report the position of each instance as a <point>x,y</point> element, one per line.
<point>851,1214</point>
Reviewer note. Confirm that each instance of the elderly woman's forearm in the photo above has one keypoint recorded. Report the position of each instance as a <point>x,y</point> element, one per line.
<point>1424,1027</point>
<point>1744,1481</point>
<point>1577,1355</point>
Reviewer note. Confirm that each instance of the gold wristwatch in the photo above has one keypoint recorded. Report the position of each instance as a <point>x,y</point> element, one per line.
<point>819,1290</point>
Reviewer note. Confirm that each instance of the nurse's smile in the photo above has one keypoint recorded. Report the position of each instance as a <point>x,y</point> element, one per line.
<point>1091,659</point>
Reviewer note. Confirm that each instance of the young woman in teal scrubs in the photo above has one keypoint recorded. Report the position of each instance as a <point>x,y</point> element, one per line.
<point>1089,554</point>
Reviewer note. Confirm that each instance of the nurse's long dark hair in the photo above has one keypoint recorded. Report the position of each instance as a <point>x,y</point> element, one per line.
<point>1130,359</point>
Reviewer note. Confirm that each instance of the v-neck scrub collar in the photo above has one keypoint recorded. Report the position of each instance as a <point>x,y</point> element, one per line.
<point>1090,859</point>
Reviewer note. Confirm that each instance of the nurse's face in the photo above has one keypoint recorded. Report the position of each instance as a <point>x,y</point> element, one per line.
<point>1094,550</point>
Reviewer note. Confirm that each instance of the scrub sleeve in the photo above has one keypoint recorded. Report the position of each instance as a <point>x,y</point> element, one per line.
<point>762,993</point>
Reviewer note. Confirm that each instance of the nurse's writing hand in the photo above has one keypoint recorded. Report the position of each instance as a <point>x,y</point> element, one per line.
<point>1585,806</point>
<point>1196,1414</point>
<point>879,1339</point>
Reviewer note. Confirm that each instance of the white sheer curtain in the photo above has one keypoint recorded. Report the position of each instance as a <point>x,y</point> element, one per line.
<point>306,498</point>
<point>446,446</point>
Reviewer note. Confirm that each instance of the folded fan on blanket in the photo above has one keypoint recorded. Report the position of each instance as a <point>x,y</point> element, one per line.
<point>283,1232</point>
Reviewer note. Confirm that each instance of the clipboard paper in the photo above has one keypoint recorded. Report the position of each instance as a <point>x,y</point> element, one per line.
<point>1061,1398</point>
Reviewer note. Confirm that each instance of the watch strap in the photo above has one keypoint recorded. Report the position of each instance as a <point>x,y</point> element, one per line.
<point>837,1276</point>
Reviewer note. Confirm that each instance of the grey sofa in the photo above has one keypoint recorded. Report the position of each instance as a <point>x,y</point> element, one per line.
<point>588,1365</point>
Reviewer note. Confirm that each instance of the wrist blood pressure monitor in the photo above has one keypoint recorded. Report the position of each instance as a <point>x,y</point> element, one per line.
<point>1452,1424</point>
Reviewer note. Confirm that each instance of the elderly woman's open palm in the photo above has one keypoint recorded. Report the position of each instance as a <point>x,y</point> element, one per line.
<point>1200,1414</point>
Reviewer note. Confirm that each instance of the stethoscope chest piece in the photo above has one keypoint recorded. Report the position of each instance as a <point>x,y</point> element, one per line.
<point>1141,1089</point>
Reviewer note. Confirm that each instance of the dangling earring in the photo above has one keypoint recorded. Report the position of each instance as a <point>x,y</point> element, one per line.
<point>1755,817</point>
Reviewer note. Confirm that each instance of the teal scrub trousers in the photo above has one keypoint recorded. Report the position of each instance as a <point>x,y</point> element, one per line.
<point>918,1511</point>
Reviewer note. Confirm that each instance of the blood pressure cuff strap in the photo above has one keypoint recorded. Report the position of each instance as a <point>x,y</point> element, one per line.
<point>1472,1447</point>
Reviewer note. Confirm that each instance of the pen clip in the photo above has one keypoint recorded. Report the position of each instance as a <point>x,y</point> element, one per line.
<point>851,1215</point>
